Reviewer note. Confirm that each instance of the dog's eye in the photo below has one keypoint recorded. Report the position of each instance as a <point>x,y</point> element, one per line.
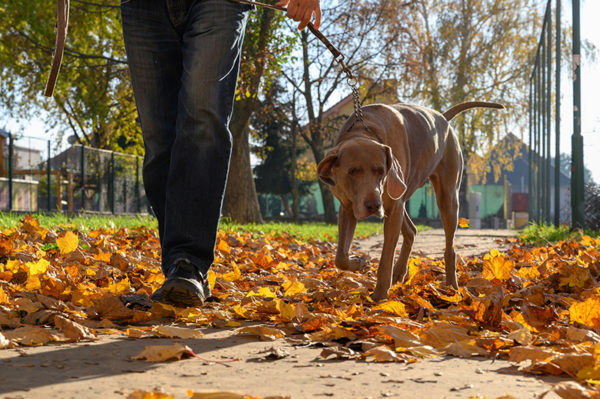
<point>354,172</point>
<point>378,171</point>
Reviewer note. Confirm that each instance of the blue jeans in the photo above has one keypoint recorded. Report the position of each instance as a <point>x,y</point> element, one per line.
<point>184,60</point>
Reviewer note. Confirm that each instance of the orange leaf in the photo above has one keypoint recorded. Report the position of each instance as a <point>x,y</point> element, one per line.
<point>393,307</point>
<point>67,243</point>
<point>463,223</point>
<point>495,266</point>
<point>586,312</point>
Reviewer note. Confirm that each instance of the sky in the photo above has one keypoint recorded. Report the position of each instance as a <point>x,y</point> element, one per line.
<point>590,112</point>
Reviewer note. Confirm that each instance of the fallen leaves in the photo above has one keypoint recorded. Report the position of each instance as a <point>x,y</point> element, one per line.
<point>536,306</point>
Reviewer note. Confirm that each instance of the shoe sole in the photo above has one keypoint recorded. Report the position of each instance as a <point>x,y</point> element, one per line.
<point>179,291</point>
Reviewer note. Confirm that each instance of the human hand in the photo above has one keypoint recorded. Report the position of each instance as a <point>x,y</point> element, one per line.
<point>302,11</point>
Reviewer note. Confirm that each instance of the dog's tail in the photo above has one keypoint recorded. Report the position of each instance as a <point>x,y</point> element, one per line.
<point>457,109</point>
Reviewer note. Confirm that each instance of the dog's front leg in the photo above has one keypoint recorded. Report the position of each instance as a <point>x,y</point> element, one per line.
<point>346,227</point>
<point>391,232</point>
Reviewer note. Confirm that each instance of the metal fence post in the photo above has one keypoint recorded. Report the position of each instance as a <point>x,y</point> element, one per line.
<point>10,170</point>
<point>82,177</point>
<point>530,155</point>
<point>577,198</point>
<point>548,192</point>
<point>49,177</point>
<point>112,182</point>
<point>137,184</point>
<point>557,121</point>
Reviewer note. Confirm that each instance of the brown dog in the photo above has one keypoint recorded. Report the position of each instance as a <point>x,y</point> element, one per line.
<point>376,166</point>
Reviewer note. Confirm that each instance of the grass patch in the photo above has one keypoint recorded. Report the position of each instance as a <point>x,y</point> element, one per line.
<point>89,222</point>
<point>82,222</point>
<point>305,231</point>
<point>541,234</point>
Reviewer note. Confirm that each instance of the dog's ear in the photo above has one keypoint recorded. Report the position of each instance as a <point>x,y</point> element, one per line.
<point>394,178</point>
<point>325,166</point>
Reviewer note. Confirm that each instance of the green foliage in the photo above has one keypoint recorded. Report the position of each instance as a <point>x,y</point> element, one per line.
<point>542,234</point>
<point>93,99</point>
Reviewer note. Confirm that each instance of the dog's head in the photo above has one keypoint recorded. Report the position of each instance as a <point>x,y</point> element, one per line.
<point>359,171</point>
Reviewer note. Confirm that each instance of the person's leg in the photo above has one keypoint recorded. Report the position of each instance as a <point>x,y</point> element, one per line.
<point>211,46</point>
<point>154,55</point>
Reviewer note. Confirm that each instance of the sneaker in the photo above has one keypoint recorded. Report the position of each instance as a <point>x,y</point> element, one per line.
<point>185,286</point>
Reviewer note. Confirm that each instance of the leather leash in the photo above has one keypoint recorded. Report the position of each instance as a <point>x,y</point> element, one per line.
<point>61,28</point>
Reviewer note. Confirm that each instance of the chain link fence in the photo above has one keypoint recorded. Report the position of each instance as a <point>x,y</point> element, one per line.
<point>34,178</point>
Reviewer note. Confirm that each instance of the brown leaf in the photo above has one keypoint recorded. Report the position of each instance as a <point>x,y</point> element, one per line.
<point>534,353</point>
<point>112,308</point>
<point>264,333</point>
<point>177,332</point>
<point>161,353</point>
<point>383,354</point>
<point>570,390</point>
<point>31,336</point>
<point>72,330</point>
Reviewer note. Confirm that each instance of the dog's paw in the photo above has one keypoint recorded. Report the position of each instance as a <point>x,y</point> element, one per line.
<point>378,295</point>
<point>356,263</point>
<point>353,264</point>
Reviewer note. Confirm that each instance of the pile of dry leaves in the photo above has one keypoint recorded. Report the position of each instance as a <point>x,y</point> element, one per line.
<point>539,307</point>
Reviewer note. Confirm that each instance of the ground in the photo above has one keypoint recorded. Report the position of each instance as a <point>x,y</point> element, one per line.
<point>103,369</point>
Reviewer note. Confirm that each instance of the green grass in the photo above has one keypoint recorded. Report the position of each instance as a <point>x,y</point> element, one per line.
<point>541,234</point>
<point>321,231</point>
<point>89,222</point>
<point>82,222</point>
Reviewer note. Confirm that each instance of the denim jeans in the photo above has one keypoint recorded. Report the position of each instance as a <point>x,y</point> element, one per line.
<point>184,60</point>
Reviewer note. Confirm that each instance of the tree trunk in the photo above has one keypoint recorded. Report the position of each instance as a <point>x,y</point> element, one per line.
<point>241,202</point>
<point>293,181</point>
<point>328,203</point>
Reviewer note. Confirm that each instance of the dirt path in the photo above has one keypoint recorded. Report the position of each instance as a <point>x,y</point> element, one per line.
<point>102,369</point>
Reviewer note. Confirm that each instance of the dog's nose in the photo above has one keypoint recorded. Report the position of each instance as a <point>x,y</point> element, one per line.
<point>373,206</point>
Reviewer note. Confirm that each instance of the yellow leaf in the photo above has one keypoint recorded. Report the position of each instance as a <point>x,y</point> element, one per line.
<point>240,311</point>
<point>212,278</point>
<point>393,307</point>
<point>495,266</point>
<point>38,267</point>
<point>223,395</point>
<point>178,332</point>
<point>464,223</point>
<point>68,243</point>
<point>293,288</point>
<point>586,312</point>
<point>287,311</point>
<point>33,283</point>
<point>263,291</point>
<point>102,256</point>
<point>233,275</point>
<point>223,246</point>
<point>3,296</point>
<point>12,265</point>
<point>139,394</point>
